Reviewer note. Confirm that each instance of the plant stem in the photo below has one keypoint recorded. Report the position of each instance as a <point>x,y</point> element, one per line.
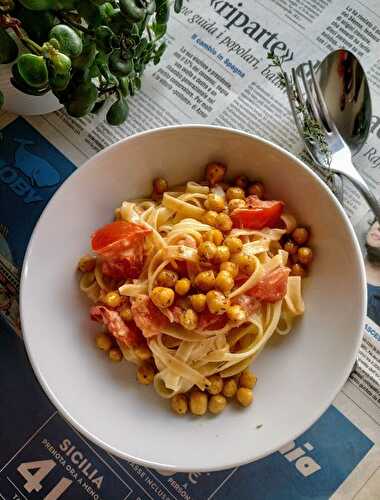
<point>72,23</point>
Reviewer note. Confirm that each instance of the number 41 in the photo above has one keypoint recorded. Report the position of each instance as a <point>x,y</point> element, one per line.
<point>42,469</point>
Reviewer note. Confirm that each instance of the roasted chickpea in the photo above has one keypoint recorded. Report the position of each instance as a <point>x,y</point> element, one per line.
<point>87,263</point>
<point>298,270</point>
<point>300,235</point>
<point>247,379</point>
<point>230,267</point>
<point>244,396</point>
<point>245,262</point>
<point>126,314</point>
<point>207,250</point>
<point>224,282</point>
<point>236,203</point>
<point>222,254</point>
<point>216,404</point>
<point>178,404</point>
<point>257,188</point>
<point>145,374</point>
<point>229,388</point>
<point>215,236</point>
<point>305,255</point>
<point>143,352</point>
<point>112,299</point>
<point>216,302</point>
<point>234,244</point>
<point>162,297</point>
<point>216,384</point>
<point>214,202</point>
<point>189,319</point>
<point>210,217</point>
<point>205,280</point>
<point>198,302</point>
<point>115,355</point>
<point>236,313</point>
<point>167,278</point>
<point>235,193</point>
<point>182,286</point>
<point>241,181</point>
<point>198,403</point>
<point>290,247</point>
<point>215,173</point>
<point>160,185</point>
<point>223,222</point>
<point>103,342</point>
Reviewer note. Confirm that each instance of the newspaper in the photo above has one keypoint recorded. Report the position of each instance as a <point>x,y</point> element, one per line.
<point>215,71</point>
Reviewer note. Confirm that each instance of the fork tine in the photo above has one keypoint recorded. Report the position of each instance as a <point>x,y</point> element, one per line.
<point>298,88</point>
<point>310,98</point>
<point>296,117</point>
<point>324,112</point>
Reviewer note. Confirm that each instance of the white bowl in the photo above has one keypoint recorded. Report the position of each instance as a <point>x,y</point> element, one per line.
<point>298,375</point>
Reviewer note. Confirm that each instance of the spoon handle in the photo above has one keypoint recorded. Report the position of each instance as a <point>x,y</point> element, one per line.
<point>362,187</point>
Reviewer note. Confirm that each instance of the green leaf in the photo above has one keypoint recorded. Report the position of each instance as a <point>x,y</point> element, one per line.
<point>118,112</point>
<point>131,11</point>
<point>33,70</point>
<point>178,6</point>
<point>162,11</point>
<point>8,47</point>
<point>70,43</point>
<point>159,30</point>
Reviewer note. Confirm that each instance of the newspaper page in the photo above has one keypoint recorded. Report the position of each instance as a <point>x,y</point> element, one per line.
<point>216,71</point>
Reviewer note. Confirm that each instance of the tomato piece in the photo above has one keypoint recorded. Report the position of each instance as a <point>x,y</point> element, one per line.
<point>147,316</point>
<point>126,333</point>
<point>240,279</point>
<point>120,230</point>
<point>258,215</point>
<point>209,321</point>
<point>272,287</point>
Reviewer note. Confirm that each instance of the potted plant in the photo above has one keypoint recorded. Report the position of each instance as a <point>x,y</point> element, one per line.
<point>81,54</point>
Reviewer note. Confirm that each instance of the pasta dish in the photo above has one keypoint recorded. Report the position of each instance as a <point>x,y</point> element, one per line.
<point>191,283</point>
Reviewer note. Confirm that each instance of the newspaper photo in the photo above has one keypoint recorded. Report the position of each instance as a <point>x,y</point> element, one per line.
<point>215,71</point>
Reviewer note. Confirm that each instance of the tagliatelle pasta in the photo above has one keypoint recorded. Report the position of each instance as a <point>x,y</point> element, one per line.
<point>192,284</point>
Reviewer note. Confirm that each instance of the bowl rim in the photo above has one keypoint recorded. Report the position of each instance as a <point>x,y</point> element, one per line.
<point>226,464</point>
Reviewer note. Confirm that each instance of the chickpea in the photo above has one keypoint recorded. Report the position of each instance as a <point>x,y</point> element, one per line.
<point>230,267</point>
<point>145,374</point>
<point>298,270</point>
<point>223,222</point>
<point>162,297</point>
<point>207,250</point>
<point>189,319</point>
<point>115,355</point>
<point>117,214</point>
<point>126,314</point>
<point>236,203</point>
<point>112,299</point>
<point>235,193</point>
<point>245,262</point>
<point>241,181</point>
<point>210,217</point>
<point>182,286</point>
<point>214,202</point>
<point>103,342</point>
<point>247,379</point>
<point>300,235</point>
<point>236,313</point>
<point>215,236</point>
<point>160,185</point>
<point>257,188</point>
<point>290,247</point>
<point>229,388</point>
<point>143,352</point>
<point>216,384</point>
<point>198,302</point>
<point>198,403</point>
<point>234,244</point>
<point>305,255</point>
<point>205,280</point>
<point>215,173</point>
<point>178,404</point>
<point>224,281</point>
<point>244,396</point>
<point>216,404</point>
<point>167,278</point>
<point>216,302</point>
<point>87,264</point>
<point>222,254</point>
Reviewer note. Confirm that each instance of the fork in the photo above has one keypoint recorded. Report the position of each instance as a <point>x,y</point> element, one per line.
<point>340,154</point>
